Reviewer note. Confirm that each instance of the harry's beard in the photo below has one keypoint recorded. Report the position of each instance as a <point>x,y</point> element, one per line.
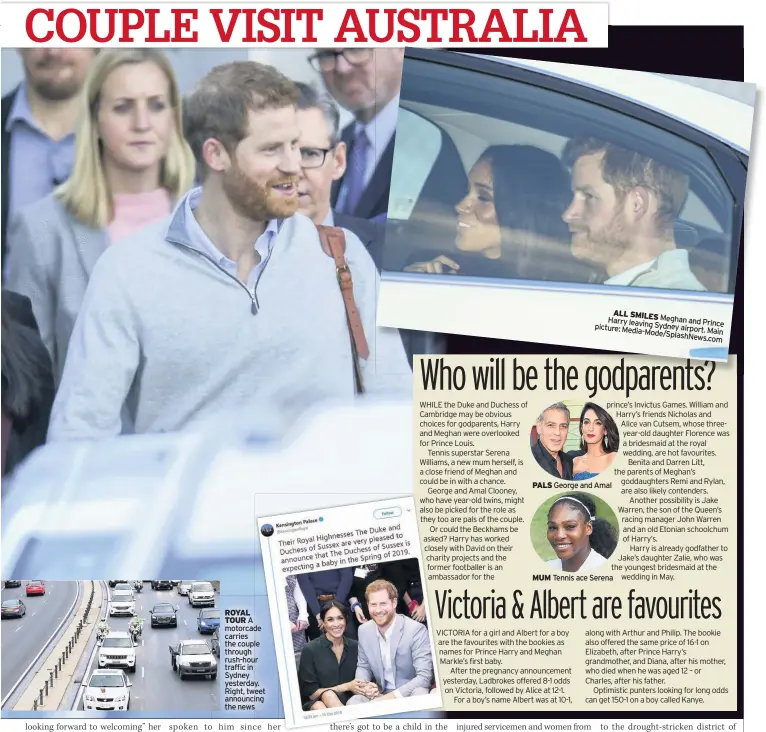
<point>603,245</point>
<point>257,202</point>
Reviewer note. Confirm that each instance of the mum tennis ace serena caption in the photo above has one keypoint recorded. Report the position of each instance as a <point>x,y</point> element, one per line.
<point>389,23</point>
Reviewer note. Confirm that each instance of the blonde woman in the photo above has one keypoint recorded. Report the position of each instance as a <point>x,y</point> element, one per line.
<point>131,164</point>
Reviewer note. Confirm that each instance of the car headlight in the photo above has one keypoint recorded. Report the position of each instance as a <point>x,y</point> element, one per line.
<point>120,698</point>
<point>90,698</point>
<point>214,662</point>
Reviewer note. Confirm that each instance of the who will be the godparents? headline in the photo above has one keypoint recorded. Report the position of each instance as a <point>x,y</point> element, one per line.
<point>301,24</point>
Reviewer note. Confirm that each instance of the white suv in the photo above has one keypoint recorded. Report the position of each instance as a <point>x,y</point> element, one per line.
<point>107,689</point>
<point>117,651</point>
<point>201,593</point>
<point>123,602</point>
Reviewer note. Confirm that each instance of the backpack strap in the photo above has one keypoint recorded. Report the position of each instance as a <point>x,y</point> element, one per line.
<point>333,241</point>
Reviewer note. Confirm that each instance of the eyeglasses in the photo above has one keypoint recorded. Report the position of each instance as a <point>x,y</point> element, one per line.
<point>324,61</point>
<point>314,157</point>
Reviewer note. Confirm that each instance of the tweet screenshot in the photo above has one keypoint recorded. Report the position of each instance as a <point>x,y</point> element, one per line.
<point>349,609</point>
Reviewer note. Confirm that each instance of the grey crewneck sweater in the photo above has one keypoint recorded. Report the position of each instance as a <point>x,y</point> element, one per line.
<point>167,338</point>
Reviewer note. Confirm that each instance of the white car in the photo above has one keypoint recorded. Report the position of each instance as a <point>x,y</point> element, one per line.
<point>184,586</point>
<point>117,650</point>
<point>193,658</point>
<point>122,602</point>
<point>107,689</point>
<point>201,594</point>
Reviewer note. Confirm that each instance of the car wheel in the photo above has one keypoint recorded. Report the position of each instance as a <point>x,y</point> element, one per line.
<point>214,676</point>
<point>132,668</point>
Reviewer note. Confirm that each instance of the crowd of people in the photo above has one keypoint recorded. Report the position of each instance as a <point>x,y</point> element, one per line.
<point>162,257</point>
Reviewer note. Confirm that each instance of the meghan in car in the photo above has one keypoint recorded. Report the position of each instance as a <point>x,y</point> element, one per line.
<point>509,222</point>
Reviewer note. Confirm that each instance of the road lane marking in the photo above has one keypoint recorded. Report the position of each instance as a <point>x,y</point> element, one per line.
<point>18,629</point>
<point>142,672</point>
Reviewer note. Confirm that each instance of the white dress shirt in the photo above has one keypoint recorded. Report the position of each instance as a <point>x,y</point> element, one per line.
<point>593,561</point>
<point>263,244</point>
<point>626,277</point>
<point>389,679</point>
<point>675,260</point>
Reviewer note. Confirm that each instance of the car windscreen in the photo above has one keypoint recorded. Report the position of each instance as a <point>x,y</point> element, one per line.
<point>11,603</point>
<point>197,649</point>
<point>163,610</point>
<point>122,596</point>
<point>112,680</point>
<point>202,587</point>
<point>208,614</point>
<point>117,643</point>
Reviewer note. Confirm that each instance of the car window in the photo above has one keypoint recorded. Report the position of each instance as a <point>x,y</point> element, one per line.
<point>421,142</point>
<point>106,680</point>
<point>478,111</point>
<point>202,587</point>
<point>117,643</point>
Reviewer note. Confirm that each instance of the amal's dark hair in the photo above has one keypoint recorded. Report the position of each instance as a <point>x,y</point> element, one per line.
<point>329,606</point>
<point>27,373</point>
<point>603,538</point>
<point>531,191</point>
<point>611,435</point>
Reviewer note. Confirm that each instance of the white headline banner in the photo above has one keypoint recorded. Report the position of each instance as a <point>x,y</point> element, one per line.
<point>302,24</point>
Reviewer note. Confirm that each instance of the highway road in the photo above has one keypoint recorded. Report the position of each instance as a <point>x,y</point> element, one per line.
<point>155,686</point>
<point>22,638</point>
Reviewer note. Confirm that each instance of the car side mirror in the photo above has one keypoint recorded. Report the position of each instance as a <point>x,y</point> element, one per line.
<point>151,612</point>
<point>130,683</point>
<point>176,608</point>
<point>135,644</point>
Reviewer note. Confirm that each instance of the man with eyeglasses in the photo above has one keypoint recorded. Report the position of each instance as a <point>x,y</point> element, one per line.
<point>323,161</point>
<point>37,126</point>
<point>367,83</point>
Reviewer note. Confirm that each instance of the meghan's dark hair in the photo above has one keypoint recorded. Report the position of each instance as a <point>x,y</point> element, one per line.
<point>531,191</point>
<point>27,372</point>
<point>611,434</point>
<point>603,538</point>
<point>329,606</point>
